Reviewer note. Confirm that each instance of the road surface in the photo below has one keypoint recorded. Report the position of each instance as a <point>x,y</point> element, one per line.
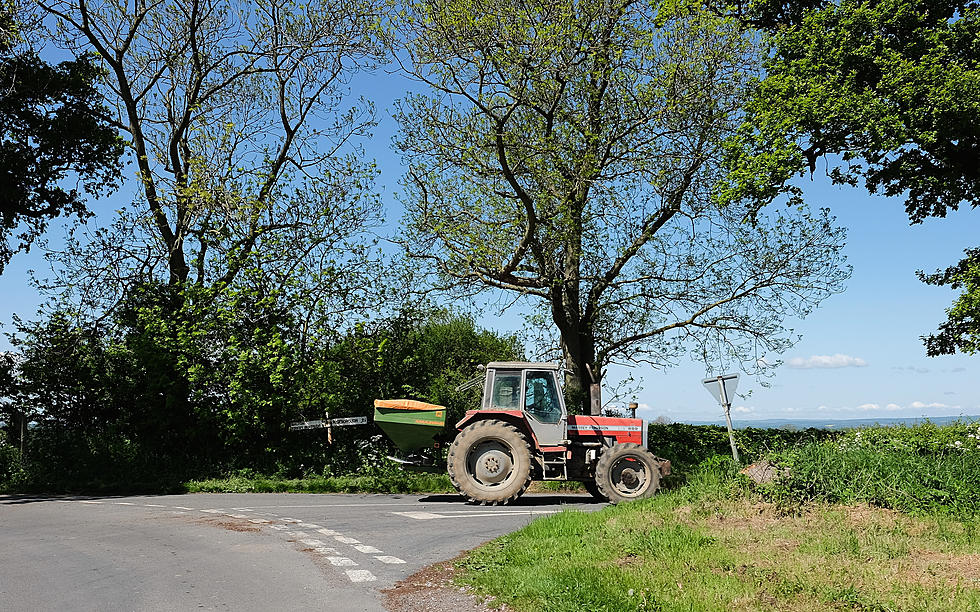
<point>237,551</point>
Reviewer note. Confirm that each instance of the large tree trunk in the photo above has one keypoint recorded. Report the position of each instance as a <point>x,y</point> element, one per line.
<point>578,347</point>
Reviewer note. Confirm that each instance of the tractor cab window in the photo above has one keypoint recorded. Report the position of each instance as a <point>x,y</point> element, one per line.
<point>541,397</point>
<point>506,391</point>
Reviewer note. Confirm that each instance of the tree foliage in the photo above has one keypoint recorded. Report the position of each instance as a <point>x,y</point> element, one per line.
<point>53,127</point>
<point>569,152</point>
<point>245,146</point>
<point>961,331</point>
<point>171,390</point>
<point>884,93</point>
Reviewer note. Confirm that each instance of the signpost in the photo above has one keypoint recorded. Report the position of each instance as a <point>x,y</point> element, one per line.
<point>328,424</point>
<point>723,387</point>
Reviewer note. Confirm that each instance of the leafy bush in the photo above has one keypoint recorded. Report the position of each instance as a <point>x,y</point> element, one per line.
<point>688,445</point>
<point>11,468</point>
<point>923,468</point>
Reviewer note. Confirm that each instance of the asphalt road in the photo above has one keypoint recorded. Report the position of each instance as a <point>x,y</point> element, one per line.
<point>237,551</point>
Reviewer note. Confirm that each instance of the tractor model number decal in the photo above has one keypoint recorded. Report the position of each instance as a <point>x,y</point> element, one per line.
<point>605,428</point>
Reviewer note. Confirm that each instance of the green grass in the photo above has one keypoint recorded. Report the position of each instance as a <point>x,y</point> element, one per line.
<point>712,544</point>
<point>387,482</point>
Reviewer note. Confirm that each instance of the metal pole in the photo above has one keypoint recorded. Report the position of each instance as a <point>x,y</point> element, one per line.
<point>728,418</point>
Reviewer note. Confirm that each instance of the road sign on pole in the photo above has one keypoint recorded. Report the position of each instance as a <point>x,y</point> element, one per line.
<point>723,388</point>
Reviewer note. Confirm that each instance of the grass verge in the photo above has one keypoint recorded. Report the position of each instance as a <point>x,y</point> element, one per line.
<point>713,545</point>
<point>393,482</point>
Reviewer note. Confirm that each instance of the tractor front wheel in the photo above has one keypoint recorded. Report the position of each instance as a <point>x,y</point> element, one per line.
<point>490,462</point>
<point>626,472</point>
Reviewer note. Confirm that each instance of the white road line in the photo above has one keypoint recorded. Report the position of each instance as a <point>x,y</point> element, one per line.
<point>367,550</point>
<point>309,526</point>
<point>123,504</point>
<point>258,521</point>
<point>212,511</point>
<point>290,520</point>
<point>388,559</point>
<point>324,550</point>
<point>184,508</point>
<point>360,576</point>
<point>154,506</point>
<point>420,516</point>
<point>312,542</point>
<point>328,532</point>
<point>297,534</point>
<point>243,509</point>
<point>376,505</point>
<point>279,527</point>
<point>424,516</point>
<point>341,561</point>
<point>88,502</point>
<point>346,540</point>
<point>238,516</point>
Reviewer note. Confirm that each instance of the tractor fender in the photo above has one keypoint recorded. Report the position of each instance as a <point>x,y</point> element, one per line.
<point>514,417</point>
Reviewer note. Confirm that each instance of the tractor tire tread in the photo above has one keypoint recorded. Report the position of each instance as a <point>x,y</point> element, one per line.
<point>476,432</point>
<point>603,477</point>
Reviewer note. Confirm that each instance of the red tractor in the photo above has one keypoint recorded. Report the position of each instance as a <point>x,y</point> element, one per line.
<point>521,433</point>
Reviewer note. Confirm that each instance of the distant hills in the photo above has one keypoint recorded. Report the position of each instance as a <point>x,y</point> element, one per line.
<point>838,423</point>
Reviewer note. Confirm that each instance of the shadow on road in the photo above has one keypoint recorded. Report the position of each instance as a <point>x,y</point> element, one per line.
<point>25,498</point>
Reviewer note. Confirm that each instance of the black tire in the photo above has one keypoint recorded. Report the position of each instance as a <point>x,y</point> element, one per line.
<point>593,488</point>
<point>626,472</point>
<point>490,463</point>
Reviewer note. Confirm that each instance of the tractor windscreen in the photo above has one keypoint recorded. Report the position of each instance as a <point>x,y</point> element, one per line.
<point>541,397</point>
<point>506,391</point>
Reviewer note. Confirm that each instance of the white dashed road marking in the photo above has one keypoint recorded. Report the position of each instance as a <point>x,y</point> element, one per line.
<point>360,576</point>
<point>319,546</point>
<point>367,550</point>
<point>341,561</point>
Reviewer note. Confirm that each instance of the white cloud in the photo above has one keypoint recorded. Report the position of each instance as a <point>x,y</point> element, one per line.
<point>742,409</point>
<point>826,361</point>
<point>869,407</point>
<point>921,405</point>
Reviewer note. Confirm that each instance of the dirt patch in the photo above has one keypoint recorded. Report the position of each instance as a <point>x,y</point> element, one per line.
<point>929,566</point>
<point>231,524</point>
<point>431,589</point>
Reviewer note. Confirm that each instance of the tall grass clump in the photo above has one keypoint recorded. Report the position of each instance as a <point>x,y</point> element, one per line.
<point>917,469</point>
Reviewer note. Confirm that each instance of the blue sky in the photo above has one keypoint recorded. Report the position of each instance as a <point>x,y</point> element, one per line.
<point>859,357</point>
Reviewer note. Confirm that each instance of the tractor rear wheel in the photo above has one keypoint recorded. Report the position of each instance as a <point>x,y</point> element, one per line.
<point>626,472</point>
<point>490,462</point>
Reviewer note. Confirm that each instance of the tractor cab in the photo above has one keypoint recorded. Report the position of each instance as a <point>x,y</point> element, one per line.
<point>532,389</point>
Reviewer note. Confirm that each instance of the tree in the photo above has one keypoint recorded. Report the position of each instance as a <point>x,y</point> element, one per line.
<point>885,93</point>
<point>961,331</point>
<point>245,148</point>
<point>568,153</point>
<point>53,126</point>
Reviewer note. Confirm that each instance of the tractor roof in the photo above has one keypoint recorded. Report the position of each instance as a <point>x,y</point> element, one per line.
<point>521,365</point>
